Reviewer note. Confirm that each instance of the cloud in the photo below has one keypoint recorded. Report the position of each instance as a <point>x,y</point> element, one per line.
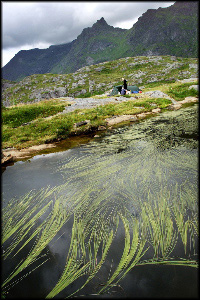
<point>59,22</point>
<point>27,25</point>
<point>37,22</point>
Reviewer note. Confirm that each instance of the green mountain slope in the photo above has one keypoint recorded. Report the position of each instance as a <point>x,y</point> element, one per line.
<point>34,61</point>
<point>165,31</point>
<point>95,44</point>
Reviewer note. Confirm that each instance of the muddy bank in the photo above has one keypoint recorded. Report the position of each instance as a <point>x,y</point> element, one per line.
<point>11,155</point>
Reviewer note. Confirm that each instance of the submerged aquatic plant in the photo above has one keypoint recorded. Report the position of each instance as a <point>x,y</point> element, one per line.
<point>53,224</point>
<point>94,233</point>
<point>145,194</point>
<point>131,255</point>
<point>162,235</point>
<point>77,265</point>
<point>19,217</point>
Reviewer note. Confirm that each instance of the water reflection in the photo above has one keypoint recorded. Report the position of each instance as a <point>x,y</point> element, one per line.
<point>138,184</point>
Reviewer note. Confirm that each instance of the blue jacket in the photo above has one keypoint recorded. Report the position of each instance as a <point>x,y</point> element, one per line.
<point>123,92</point>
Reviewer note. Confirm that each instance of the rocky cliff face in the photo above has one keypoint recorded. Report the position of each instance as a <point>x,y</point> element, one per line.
<point>165,31</point>
<point>171,31</point>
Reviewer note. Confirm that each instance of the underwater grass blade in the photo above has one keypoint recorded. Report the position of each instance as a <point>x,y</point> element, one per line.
<point>53,224</point>
<point>23,231</point>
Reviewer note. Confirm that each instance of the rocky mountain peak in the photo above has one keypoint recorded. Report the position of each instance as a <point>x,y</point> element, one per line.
<point>101,22</point>
<point>96,27</point>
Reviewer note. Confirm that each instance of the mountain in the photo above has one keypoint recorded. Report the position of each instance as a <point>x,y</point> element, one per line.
<point>162,31</point>
<point>166,31</point>
<point>34,61</point>
<point>93,45</point>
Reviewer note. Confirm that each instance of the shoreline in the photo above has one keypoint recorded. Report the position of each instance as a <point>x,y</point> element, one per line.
<point>12,155</point>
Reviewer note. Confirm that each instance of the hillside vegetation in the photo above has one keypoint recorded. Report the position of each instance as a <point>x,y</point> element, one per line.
<point>98,79</point>
<point>32,109</point>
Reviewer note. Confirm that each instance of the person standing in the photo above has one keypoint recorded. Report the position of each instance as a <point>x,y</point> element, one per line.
<point>124,83</point>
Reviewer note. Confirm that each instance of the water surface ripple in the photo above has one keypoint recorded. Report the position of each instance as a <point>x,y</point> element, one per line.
<point>117,216</point>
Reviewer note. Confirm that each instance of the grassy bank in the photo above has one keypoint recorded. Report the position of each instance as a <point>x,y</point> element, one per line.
<point>61,126</point>
<point>19,130</point>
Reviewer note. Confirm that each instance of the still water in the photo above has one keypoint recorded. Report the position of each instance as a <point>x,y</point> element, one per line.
<point>116,217</point>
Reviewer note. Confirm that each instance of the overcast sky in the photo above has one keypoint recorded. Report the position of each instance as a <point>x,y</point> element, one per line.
<point>38,24</point>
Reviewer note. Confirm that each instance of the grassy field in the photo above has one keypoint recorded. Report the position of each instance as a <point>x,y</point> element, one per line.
<point>42,130</point>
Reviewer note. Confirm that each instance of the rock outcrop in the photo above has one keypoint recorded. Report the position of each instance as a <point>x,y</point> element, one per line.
<point>6,158</point>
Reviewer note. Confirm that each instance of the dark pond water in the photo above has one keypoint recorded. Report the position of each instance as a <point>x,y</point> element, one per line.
<point>144,172</point>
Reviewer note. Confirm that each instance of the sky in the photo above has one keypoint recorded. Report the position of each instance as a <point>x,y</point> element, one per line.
<point>37,24</point>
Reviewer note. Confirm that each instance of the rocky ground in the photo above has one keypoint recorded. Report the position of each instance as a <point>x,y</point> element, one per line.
<point>86,103</point>
<point>95,79</point>
<point>11,155</point>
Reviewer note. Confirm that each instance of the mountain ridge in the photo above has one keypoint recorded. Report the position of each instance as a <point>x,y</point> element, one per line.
<point>162,31</point>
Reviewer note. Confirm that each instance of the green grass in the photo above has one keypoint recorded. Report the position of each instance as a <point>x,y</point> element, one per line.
<point>16,116</point>
<point>59,127</point>
<point>36,133</point>
<point>182,91</point>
